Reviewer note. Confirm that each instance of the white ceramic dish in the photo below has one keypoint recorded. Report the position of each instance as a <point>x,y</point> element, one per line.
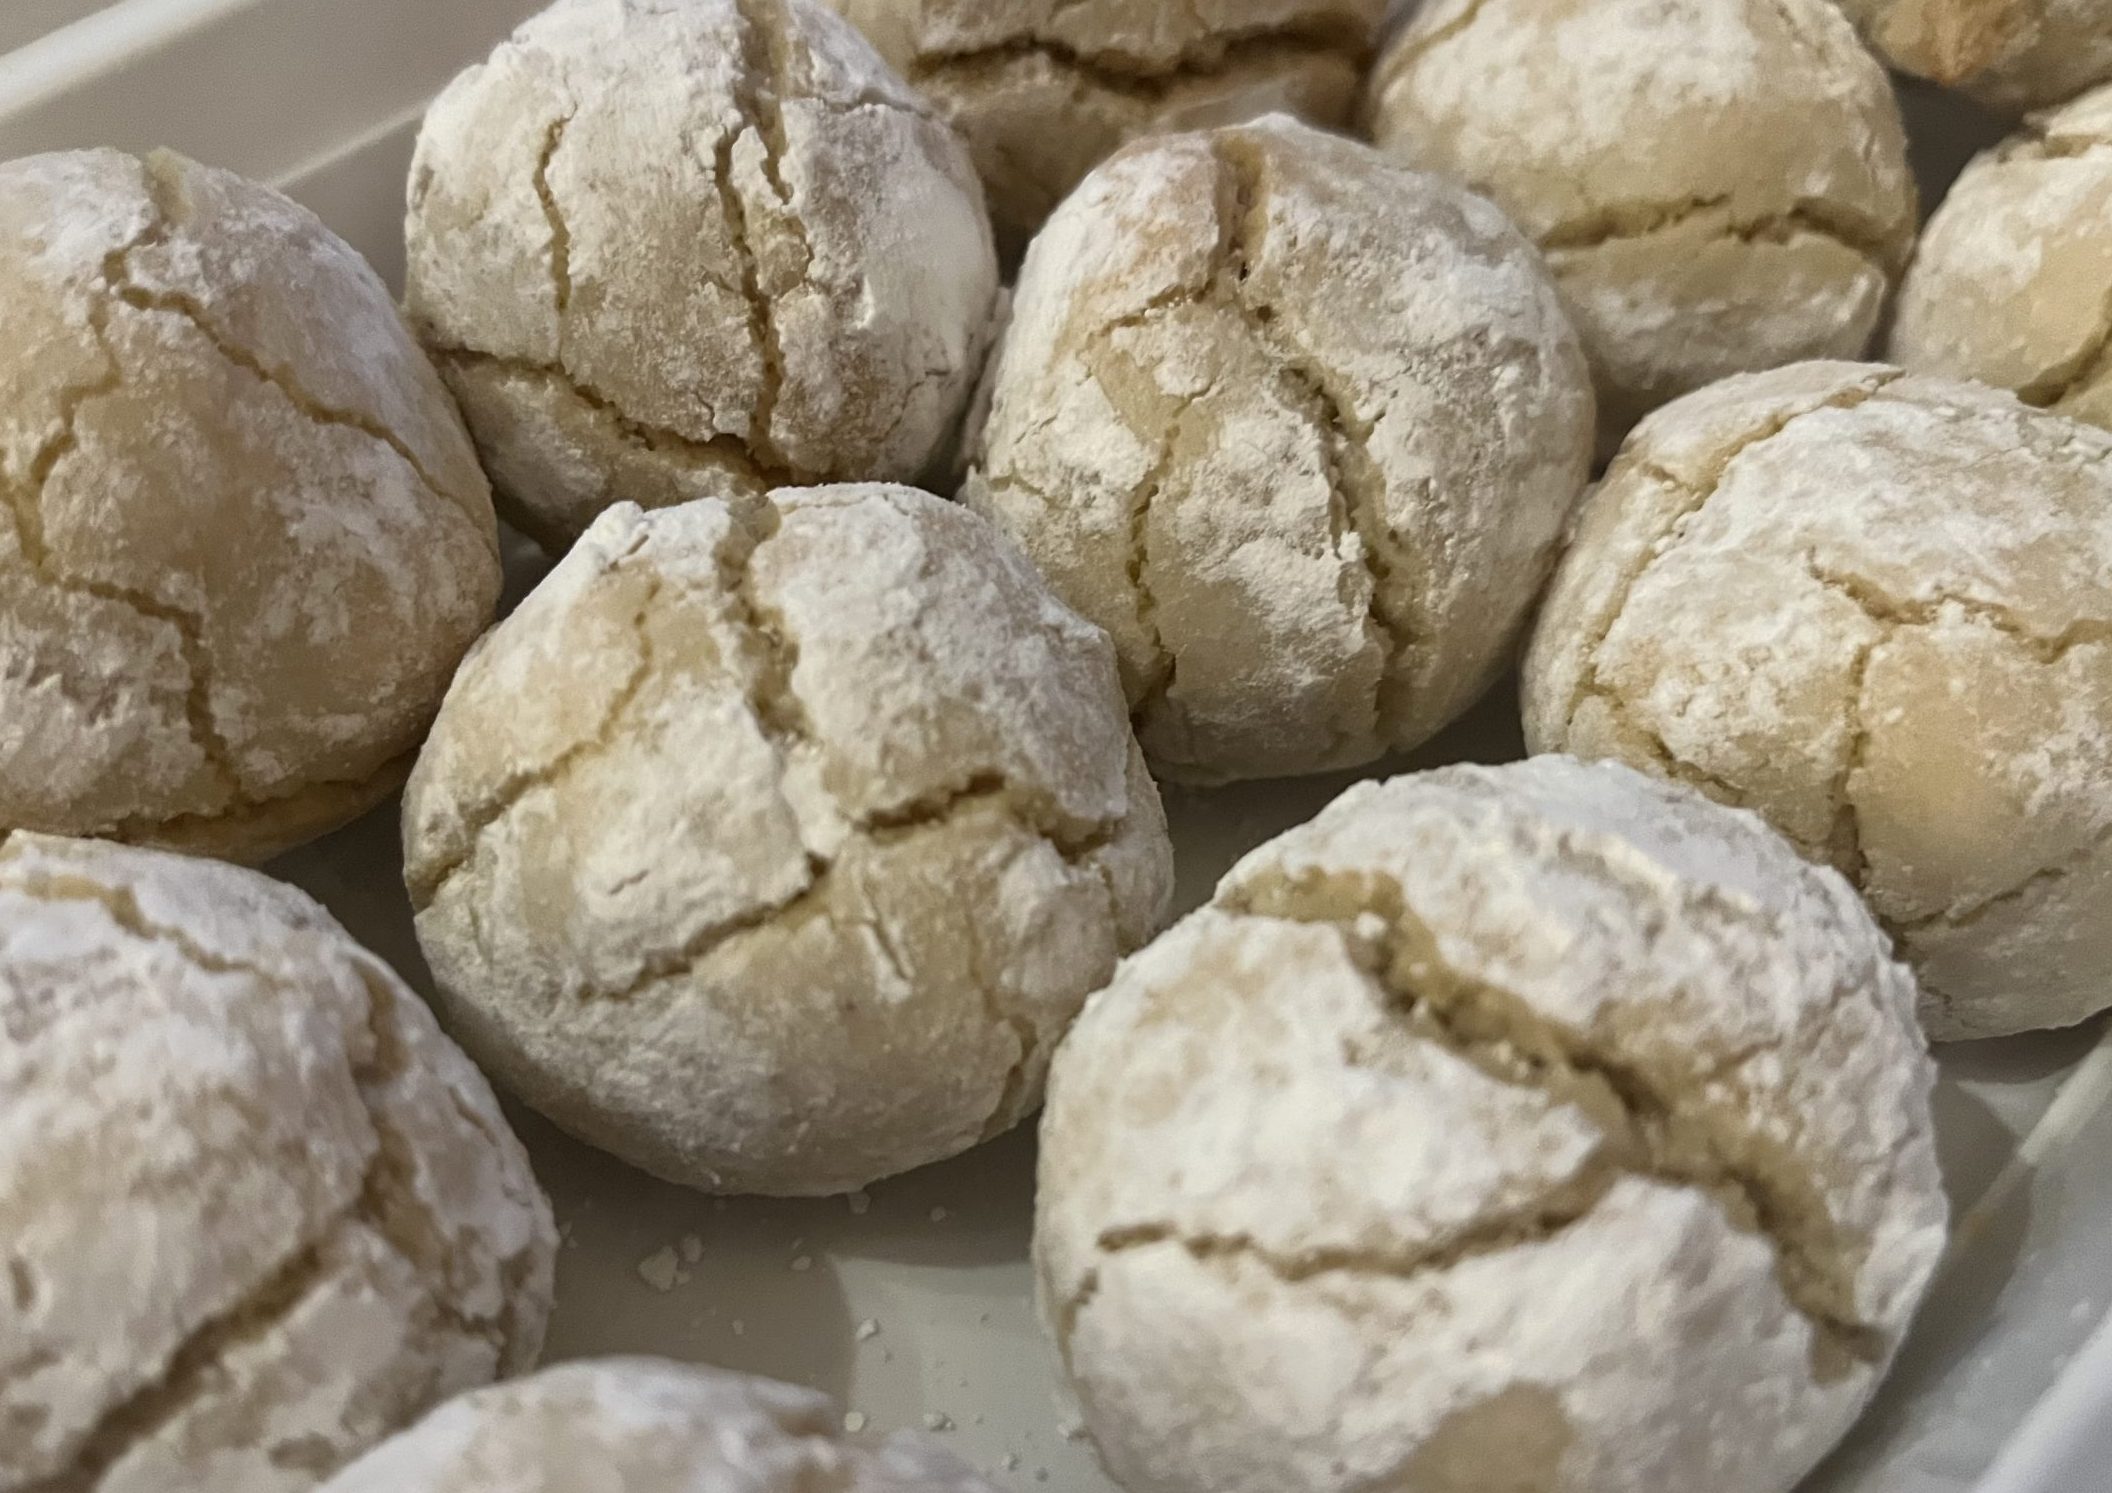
<point>913,1306</point>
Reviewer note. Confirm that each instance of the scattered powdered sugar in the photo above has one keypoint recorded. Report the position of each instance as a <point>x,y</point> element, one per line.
<point>662,1270</point>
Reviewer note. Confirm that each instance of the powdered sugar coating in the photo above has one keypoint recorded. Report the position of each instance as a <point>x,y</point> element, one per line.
<point>637,1425</point>
<point>243,535</point>
<point>1044,90</point>
<point>1299,429</point>
<point>675,250</point>
<point>1719,185</point>
<point>1539,1127</point>
<point>261,1213</point>
<point>776,859</point>
<point>2009,54</point>
<point>2012,283</point>
<point>1877,608</point>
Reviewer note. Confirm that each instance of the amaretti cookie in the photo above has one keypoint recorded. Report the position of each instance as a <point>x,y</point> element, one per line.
<point>1720,186</point>
<point>2012,282</point>
<point>640,1425</point>
<point>1300,429</point>
<point>774,851</point>
<point>1044,90</point>
<point>2010,54</point>
<point>671,249</point>
<point>1544,1127</point>
<point>259,1213</point>
<point>244,540</point>
<point>1877,608</point>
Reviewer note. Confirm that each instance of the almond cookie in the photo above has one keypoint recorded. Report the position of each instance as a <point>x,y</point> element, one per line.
<point>2012,283</point>
<point>1300,429</point>
<point>1045,90</point>
<point>639,1425</point>
<point>1877,608</point>
<point>672,249</point>
<point>1543,1127</point>
<point>243,537</point>
<point>774,855</point>
<point>256,1212</point>
<point>2009,54</point>
<point>1720,185</point>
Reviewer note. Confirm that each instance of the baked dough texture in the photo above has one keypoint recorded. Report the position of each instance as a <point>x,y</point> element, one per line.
<point>774,856</point>
<point>1045,90</point>
<point>2008,54</point>
<point>260,1213</point>
<point>243,537</point>
<point>2012,283</point>
<point>1300,429</point>
<point>1544,1129</point>
<point>1877,608</point>
<point>1720,186</point>
<point>640,1425</point>
<point>671,249</point>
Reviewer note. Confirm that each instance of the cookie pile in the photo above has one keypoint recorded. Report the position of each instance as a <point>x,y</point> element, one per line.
<point>1562,1126</point>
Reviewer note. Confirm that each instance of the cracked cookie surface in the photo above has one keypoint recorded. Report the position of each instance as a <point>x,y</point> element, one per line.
<point>1299,429</point>
<point>2008,54</point>
<point>650,1426</point>
<point>1446,1146</point>
<point>1877,608</point>
<point>261,1213</point>
<point>239,558</point>
<point>774,849</point>
<point>665,251</point>
<point>1044,90</point>
<point>2012,281</point>
<point>1720,185</point>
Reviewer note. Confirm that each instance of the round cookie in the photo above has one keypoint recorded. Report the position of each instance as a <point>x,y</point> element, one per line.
<point>2008,54</point>
<point>1877,608</point>
<point>1719,185</point>
<point>260,1212</point>
<point>243,537</point>
<point>640,1425</point>
<point>665,251</point>
<point>2012,282</point>
<point>1299,428</point>
<point>777,859</point>
<point>1539,1127</point>
<point>1045,90</point>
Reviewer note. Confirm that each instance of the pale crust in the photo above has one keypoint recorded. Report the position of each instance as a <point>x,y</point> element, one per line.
<point>775,854</point>
<point>649,1426</point>
<point>1541,1128</point>
<point>671,249</point>
<point>261,1213</point>
<point>244,538</point>
<point>1719,185</point>
<point>1877,608</point>
<point>2012,283</point>
<point>2009,54</point>
<point>1045,90</point>
<point>1299,429</point>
